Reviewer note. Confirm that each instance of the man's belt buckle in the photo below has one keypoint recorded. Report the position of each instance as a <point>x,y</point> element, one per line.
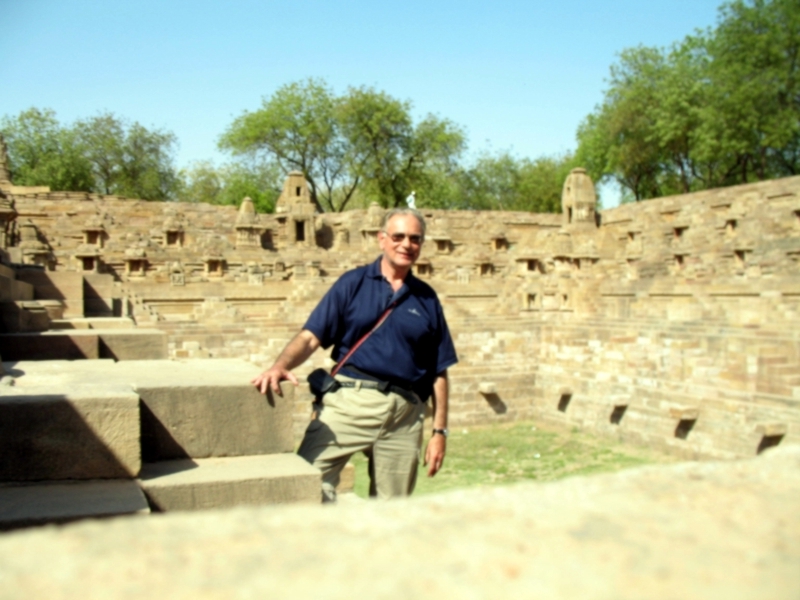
<point>383,387</point>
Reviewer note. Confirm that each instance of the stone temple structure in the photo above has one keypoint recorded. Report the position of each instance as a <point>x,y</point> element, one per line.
<point>130,330</point>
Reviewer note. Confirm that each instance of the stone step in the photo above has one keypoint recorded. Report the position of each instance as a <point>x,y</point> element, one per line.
<point>53,431</point>
<point>119,344</point>
<point>24,505</point>
<point>223,482</point>
<point>201,408</point>
<point>93,323</point>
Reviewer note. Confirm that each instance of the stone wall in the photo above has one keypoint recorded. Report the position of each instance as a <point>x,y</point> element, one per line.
<point>671,322</point>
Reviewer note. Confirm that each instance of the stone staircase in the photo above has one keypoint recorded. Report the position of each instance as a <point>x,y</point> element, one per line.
<point>101,438</point>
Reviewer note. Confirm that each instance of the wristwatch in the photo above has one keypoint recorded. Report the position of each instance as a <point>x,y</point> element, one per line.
<point>444,432</point>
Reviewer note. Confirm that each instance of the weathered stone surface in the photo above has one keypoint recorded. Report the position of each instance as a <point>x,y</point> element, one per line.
<point>50,345</point>
<point>57,285</point>
<point>688,301</point>
<point>78,343</point>
<point>23,505</point>
<point>711,530</point>
<point>200,408</point>
<point>75,432</point>
<point>193,484</point>
<point>141,344</point>
<point>190,408</point>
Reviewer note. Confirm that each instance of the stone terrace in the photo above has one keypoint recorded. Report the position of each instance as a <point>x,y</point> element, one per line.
<point>671,322</point>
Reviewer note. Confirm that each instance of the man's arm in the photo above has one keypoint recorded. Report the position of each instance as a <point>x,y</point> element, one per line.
<point>434,454</point>
<point>296,352</point>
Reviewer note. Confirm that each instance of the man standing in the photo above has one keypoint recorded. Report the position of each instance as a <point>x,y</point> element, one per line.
<point>380,407</point>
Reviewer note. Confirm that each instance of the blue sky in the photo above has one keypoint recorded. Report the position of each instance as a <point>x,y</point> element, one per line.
<point>518,76</point>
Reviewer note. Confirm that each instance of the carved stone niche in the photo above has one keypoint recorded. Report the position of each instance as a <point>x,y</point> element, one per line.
<point>369,237</point>
<point>88,259</point>
<point>341,238</point>
<point>499,242</point>
<point>255,275</point>
<point>214,265</point>
<point>173,233</point>
<point>443,243</point>
<point>176,274</point>
<point>579,199</point>
<point>530,265</point>
<point>584,262</point>
<point>135,262</point>
<point>563,264</point>
<point>484,268</point>
<point>633,244</point>
<point>248,229</point>
<point>94,232</point>
<point>423,268</point>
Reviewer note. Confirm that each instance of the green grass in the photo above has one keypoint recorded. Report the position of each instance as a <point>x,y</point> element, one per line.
<point>524,451</point>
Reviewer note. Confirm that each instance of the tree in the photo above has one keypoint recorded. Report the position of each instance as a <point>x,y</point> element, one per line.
<point>362,141</point>
<point>755,75</point>
<point>392,155</point>
<point>620,139</point>
<point>102,154</point>
<point>128,159</point>
<point>297,128</point>
<point>229,184</point>
<point>41,152</point>
<point>504,182</point>
<point>720,108</point>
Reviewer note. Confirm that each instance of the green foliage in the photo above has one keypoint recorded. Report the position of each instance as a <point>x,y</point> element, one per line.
<point>128,159</point>
<point>509,453</point>
<point>503,182</point>
<point>298,129</point>
<point>719,108</point>
<point>230,184</point>
<point>363,141</point>
<point>41,152</point>
<point>102,154</point>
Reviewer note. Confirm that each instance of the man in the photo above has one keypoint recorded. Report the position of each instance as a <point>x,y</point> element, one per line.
<point>380,407</point>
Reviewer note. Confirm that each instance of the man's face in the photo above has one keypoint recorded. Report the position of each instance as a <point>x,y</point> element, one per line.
<point>401,241</point>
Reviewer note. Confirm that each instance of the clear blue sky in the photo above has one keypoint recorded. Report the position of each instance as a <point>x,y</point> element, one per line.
<point>517,75</point>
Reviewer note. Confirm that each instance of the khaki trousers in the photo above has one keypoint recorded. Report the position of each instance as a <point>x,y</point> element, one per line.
<point>387,427</point>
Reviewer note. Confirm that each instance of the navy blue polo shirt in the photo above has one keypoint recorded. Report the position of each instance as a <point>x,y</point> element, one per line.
<point>411,347</point>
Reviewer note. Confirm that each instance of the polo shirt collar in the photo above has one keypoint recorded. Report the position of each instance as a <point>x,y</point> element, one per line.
<point>409,283</point>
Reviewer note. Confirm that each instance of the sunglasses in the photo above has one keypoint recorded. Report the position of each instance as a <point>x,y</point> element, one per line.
<point>415,239</point>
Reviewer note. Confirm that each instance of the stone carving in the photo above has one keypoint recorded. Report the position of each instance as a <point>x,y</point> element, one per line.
<point>578,199</point>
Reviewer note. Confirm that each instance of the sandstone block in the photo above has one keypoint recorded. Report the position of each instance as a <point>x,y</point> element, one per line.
<point>49,345</point>
<point>189,484</point>
<point>132,344</point>
<point>23,505</point>
<point>732,530</point>
<point>71,434</point>
<point>204,408</point>
<point>487,388</point>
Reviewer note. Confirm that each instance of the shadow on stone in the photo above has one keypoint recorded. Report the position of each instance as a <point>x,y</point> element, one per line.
<point>497,404</point>
<point>157,441</point>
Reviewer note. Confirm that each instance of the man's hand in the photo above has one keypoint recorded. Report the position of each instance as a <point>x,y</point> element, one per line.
<point>296,352</point>
<point>271,379</point>
<point>434,453</point>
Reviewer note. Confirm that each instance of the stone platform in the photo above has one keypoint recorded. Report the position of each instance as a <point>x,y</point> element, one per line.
<point>694,530</point>
<point>195,433</point>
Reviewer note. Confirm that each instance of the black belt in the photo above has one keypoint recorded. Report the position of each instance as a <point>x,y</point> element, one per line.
<point>383,387</point>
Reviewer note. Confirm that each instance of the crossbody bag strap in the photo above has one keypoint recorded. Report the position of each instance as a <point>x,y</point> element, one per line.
<point>364,337</point>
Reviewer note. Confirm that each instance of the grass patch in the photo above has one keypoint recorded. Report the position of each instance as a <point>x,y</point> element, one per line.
<point>523,451</point>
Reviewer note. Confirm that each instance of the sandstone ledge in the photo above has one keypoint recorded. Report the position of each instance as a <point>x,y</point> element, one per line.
<point>693,530</point>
